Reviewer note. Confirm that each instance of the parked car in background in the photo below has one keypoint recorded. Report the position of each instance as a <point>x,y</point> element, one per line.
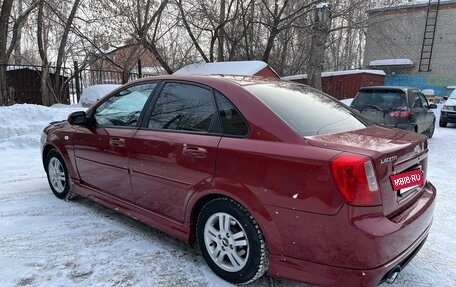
<point>447,91</point>
<point>309,190</point>
<point>91,94</point>
<point>448,112</point>
<point>400,107</point>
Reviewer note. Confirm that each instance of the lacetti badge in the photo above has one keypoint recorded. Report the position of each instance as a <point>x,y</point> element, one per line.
<point>388,159</point>
<point>407,179</point>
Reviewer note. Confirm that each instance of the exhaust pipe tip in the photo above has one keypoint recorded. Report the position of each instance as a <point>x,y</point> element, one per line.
<point>392,275</point>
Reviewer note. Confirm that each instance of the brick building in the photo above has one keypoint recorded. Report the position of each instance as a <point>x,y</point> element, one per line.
<point>394,43</point>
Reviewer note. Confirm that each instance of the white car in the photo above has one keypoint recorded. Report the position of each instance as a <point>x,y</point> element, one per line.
<point>92,94</point>
<point>448,112</point>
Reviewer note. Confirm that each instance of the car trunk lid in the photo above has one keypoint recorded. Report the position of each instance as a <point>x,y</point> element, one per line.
<point>392,151</point>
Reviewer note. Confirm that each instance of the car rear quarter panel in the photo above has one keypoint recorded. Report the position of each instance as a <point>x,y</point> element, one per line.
<point>265,175</point>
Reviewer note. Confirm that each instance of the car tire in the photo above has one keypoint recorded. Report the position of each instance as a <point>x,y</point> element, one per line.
<point>231,241</point>
<point>442,124</point>
<point>431,130</point>
<point>57,175</point>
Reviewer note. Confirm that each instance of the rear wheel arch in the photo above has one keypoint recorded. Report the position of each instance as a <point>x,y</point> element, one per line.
<point>244,198</point>
<point>231,241</point>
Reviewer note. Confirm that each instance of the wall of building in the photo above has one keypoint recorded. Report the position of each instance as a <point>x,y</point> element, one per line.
<point>435,82</point>
<point>268,72</point>
<point>398,33</point>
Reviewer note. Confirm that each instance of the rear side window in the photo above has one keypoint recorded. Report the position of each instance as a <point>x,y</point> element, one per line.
<point>232,122</point>
<point>306,110</point>
<point>183,107</point>
<point>379,98</point>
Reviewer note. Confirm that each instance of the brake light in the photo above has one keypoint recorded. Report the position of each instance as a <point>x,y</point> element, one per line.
<point>354,176</point>
<point>400,114</point>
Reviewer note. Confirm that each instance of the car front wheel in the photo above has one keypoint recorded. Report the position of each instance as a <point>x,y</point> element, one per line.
<point>442,124</point>
<point>231,241</point>
<point>57,175</point>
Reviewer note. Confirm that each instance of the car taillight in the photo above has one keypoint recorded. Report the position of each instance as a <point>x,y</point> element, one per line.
<point>400,114</point>
<point>355,179</point>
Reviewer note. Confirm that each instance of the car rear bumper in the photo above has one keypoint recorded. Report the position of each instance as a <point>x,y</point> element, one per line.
<point>359,251</point>
<point>326,275</point>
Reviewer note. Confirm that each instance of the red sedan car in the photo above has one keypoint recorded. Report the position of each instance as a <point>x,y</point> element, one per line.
<point>267,176</point>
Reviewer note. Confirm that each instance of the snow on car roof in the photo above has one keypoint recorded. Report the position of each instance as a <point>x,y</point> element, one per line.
<point>391,62</point>
<point>335,73</point>
<point>241,68</point>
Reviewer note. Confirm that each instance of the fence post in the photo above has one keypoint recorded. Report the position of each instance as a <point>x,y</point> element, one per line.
<point>139,69</point>
<point>76,77</point>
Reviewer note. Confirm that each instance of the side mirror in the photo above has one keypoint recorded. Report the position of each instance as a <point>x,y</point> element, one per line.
<point>432,106</point>
<point>445,98</point>
<point>78,118</point>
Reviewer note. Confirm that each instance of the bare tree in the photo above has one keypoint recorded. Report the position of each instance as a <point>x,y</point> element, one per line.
<point>6,49</point>
<point>53,16</point>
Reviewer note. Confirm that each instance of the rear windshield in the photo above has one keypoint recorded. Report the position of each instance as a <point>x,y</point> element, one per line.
<point>308,111</point>
<point>379,98</point>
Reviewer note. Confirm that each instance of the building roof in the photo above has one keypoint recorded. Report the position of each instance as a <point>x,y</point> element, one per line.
<point>408,5</point>
<point>391,62</point>
<point>240,68</point>
<point>336,73</point>
<point>63,71</point>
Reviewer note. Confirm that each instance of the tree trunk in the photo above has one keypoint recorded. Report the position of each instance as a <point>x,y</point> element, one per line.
<point>4,25</point>
<point>17,45</point>
<point>221,34</point>
<point>317,50</point>
<point>58,86</point>
<point>320,34</point>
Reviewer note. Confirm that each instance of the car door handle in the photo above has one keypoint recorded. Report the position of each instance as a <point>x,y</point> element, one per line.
<point>195,152</point>
<point>118,142</point>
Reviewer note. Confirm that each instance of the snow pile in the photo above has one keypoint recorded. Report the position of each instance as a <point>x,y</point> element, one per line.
<point>21,124</point>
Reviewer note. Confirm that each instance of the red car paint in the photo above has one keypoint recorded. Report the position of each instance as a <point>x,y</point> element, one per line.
<point>283,179</point>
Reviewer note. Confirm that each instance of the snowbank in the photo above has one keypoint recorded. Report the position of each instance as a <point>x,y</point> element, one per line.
<point>21,124</point>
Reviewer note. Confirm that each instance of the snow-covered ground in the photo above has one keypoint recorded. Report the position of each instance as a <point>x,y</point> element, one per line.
<point>45,241</point>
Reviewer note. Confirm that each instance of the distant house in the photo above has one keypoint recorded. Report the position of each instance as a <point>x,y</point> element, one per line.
<point>108,67</point>
<point>24,84</point>
<point>238,68</point>
<point>344,84</point>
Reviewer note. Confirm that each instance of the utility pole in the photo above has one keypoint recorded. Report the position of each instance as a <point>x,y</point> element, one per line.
<point>320,33</point>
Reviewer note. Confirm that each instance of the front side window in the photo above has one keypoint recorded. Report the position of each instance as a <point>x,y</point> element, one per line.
<point>424,102</point>
<point>417,101</point>
<point>183,107</point>
<point>123,109</point>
